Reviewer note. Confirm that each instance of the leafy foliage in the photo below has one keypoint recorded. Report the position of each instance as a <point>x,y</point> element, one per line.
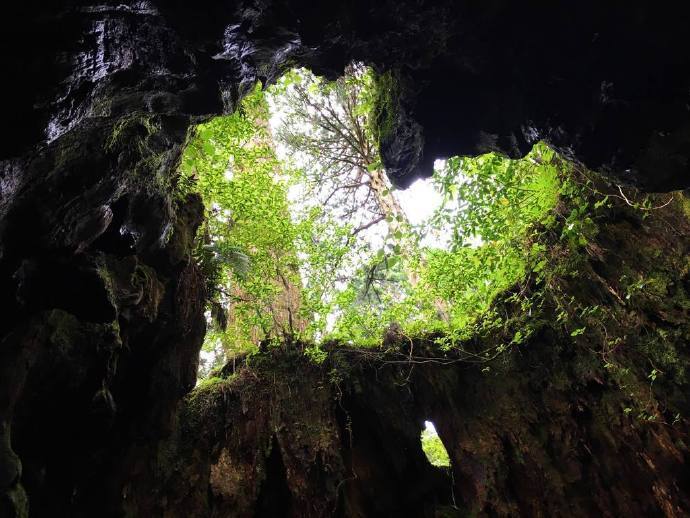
<point>246,245</point>
<point>514,241</point>
<point>314,248</point>
<point>491,208</point>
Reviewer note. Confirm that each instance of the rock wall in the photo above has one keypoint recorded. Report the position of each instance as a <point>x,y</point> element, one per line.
<point>607,83</point>
<point>102,304</point>
<point>563,424</point>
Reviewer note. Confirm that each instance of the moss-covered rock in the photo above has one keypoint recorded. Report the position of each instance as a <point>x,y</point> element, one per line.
<point>584,414</point>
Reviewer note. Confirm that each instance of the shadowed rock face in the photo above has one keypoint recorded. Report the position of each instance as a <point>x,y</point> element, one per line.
<point>609,83</point>
<point>102,305</point>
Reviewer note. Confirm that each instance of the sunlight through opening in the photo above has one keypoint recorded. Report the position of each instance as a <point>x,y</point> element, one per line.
<point>307,239</point>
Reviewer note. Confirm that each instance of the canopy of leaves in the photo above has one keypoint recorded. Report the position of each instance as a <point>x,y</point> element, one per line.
<point>490,205</point>
<point>299,246</point>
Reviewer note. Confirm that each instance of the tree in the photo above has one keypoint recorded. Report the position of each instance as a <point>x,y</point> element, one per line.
<point>327,127</point>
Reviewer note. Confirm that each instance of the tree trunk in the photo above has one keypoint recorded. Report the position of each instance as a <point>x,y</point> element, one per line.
<point>398,224</point>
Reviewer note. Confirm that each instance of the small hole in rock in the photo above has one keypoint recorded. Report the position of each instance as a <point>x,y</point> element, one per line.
<point>432,446</point>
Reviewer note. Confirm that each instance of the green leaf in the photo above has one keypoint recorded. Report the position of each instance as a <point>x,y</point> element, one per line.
<point>578,332</point>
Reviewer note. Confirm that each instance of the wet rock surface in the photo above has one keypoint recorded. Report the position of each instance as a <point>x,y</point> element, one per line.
<point>102,305</point>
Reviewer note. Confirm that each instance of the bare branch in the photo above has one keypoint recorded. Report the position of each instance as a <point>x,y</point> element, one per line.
<point>368,225</point>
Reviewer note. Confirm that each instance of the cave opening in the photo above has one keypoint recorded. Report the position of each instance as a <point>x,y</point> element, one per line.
<point>433,446</point>
<point>307,240</point>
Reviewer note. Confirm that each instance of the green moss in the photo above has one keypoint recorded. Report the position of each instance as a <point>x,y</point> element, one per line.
<point>65,329</point>
<point>143,151</point>
<point>132,130</point>
<point>106,275</point>
<point>101,107</point>
<point>386,104</point>
<point>208,383</point>
<point>145,278</point>
<point>684,202</point>
<point>200,408</point>
<point>203,396</point>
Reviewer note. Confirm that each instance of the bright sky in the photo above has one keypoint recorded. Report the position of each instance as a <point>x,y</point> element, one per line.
<point>430,427</point>
<point>419,200</point>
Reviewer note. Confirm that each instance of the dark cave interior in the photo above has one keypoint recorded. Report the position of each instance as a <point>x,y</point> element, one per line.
<point>103,310</point>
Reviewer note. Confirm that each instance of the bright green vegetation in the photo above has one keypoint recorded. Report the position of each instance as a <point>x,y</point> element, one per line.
<point>434,450</point>
<point>315,246</point>
<point>502,203</point>
<point>305,244</point>
<point>246,244</point>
